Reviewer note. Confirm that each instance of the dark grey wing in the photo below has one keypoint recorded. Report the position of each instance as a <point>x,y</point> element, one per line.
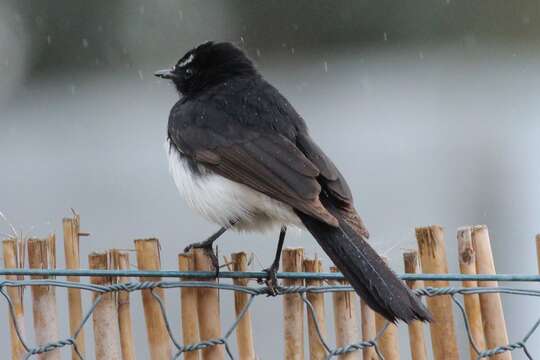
<point>330,175</point>
<point>334,185</point>
<point>269,163</point>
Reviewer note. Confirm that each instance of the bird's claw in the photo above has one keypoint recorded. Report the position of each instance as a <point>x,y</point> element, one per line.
<point>271,280</point>
<point>209,250</point>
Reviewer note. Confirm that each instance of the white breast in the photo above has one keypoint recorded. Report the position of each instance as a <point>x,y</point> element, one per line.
<point>222,201</point>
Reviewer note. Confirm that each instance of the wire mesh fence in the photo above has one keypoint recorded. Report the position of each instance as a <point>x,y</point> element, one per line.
<point>254,292</point>
<point>302,287</point>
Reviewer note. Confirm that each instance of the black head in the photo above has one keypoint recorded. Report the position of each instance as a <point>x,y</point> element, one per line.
<point>206,65</point>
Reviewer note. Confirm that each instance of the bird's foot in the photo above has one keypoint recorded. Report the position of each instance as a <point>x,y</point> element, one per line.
<point>271,280</point>
<point>207,245</point>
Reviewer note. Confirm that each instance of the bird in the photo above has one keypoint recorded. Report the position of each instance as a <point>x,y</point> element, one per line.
<point>243,157</point>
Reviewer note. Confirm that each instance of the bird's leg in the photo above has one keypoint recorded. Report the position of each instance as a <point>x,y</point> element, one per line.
<point>271,279</point>
<point>207,245</point>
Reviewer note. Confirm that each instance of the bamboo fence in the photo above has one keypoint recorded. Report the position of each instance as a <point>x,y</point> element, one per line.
<point>323,317</point>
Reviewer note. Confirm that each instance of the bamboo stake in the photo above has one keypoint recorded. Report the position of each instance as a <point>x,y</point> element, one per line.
<point>491,305</point>
<point>244,332</point>
<point>433,260</point>
<point>467,266</point>
<point>120,260</point>
<point>11,261</point>
<point>188,303</point>
<point>345,319</point>
<point>41,255</point>
<point>416,328</point>
<point>293,306</point>
<point>316,348</point>
<point>369,330</point>
<point>388,342</point>
<point>105,317</point>
<point>208,309</point>
<point>148,258</point>
<point>71,228</point>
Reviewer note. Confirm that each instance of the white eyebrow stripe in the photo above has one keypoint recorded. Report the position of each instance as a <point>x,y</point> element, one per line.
<point>187,61</point>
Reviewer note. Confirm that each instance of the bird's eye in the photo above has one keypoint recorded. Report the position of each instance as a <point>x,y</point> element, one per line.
<point>188,73</point>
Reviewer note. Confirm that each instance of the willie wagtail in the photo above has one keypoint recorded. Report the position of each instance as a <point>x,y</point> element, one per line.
<point>243,158</point>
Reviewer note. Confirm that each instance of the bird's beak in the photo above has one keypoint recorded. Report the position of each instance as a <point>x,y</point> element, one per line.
<point>165,74</point>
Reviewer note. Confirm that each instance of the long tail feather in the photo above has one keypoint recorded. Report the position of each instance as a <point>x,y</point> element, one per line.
<point>372,279</point>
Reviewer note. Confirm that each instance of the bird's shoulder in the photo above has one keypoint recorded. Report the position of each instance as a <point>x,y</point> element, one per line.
<point>245,103</point>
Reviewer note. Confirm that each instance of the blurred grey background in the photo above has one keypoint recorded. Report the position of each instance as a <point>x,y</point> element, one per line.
<point>430,108</point>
